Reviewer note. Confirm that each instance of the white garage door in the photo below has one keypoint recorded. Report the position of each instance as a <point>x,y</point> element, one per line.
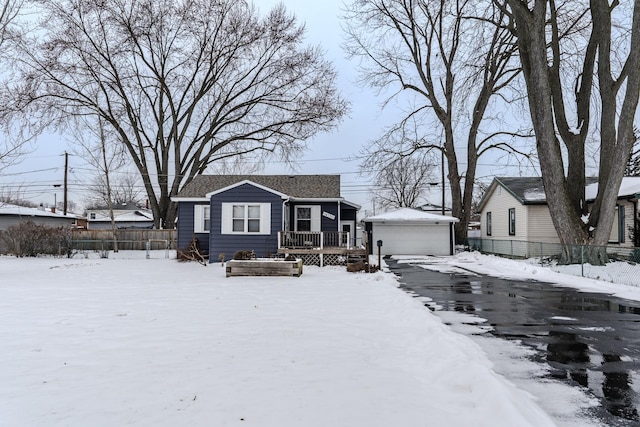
<point>412,239</point>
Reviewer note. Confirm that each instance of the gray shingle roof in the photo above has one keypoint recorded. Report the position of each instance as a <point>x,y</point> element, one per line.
<point>297,186</point>
<point>527,190</point>
<point>522,188</point>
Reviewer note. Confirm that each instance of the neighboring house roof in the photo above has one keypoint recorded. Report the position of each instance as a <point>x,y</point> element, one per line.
<point>408,215</point>
<point>15,210</point>
<point>294,186</point>
<point>526,190</point>
<point>122,216</point>
<point>629,187</point>
<point>430,207</point>
<point>130,206</point>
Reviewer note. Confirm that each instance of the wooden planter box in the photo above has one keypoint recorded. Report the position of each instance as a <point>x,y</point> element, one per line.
<point>258,267</point>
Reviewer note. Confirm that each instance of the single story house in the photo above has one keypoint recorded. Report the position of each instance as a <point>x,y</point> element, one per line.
<point>407,231</point>
<point>126,216</point>
<point>267,214</point>
<point>514,209</point>
<point>12,214</point>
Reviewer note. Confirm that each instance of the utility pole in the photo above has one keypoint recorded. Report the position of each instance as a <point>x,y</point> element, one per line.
<point>66,168</point>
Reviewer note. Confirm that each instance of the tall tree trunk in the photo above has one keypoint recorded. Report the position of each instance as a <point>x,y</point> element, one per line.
<point>532,44</point>
<point>546,103</point>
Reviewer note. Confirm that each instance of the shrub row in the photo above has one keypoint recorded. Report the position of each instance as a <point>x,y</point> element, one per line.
<point>28,239</point>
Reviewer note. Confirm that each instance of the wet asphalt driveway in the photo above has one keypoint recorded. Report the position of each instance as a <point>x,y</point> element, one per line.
<point>589,340</point>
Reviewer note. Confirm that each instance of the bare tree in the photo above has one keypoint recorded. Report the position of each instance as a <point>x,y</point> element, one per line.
<point>404,181</point>
<point>442,55</point>
<point>125,189</point>
<point>578,39</point>
<point>15,197</point>
<point>181,84</point>
<point>400,180</point>
<point>12,147</point>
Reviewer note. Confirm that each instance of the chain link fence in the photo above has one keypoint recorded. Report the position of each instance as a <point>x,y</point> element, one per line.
<point>621,264</point>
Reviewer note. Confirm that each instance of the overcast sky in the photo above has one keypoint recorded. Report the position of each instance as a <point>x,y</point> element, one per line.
<point>36,176</point>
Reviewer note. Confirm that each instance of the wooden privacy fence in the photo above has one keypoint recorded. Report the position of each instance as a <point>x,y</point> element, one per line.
<point>127,239</point>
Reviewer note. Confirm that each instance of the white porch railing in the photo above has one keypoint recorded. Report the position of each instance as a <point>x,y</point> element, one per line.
<point>314,239</point>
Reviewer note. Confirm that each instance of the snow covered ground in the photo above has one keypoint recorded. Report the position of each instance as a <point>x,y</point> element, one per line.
<point>131,341</point>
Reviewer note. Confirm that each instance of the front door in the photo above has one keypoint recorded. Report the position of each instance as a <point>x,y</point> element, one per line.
<point>347,227</point>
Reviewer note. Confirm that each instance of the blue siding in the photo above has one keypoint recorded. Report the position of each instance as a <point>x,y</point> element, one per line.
<point>186,227</point>
<point>326,224</point>
<point>263,245</point>
<point>348,213</point>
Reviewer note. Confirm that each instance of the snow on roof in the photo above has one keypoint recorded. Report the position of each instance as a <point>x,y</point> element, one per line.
<point>535,194</point>
<point>122,216</point>
<point>629,186</point>
<point>9,209</point>
<point>410,215</point>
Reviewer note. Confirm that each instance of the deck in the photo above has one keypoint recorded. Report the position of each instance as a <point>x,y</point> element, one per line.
<point>320,248</point>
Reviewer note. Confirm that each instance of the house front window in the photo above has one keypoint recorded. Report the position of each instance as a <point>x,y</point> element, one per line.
<point>512,221</point>
<point>303,218</point>
<point>307,218</point>
<point>246,218</point>
<point>489,224</point>
<point>201,219</point>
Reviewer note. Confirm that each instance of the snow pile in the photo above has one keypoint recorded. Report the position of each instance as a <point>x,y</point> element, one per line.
<point>609,279</point>
<point>106,342</point>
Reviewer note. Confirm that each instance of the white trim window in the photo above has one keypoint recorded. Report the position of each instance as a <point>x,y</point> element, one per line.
<point>201,218</point>
<point>512,221</point>
<point>307,218</point>
<point>246,218</point>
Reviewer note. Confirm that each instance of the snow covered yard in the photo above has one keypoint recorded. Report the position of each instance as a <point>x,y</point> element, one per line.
<point>107,342</point>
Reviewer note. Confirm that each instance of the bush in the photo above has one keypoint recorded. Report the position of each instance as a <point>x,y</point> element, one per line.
<point>28,239</point>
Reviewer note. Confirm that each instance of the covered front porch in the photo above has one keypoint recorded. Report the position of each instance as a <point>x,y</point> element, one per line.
<point>320,247</point>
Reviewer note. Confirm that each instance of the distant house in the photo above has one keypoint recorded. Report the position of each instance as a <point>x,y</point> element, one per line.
<point>13,214</point>
<point>407,231</point>
<point>268,214</point>
<point>433,208</point>
<point>515,209</point>
<point>128,216</point>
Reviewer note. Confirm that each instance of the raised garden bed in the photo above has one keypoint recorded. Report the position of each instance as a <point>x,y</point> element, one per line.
<point>264,267</point>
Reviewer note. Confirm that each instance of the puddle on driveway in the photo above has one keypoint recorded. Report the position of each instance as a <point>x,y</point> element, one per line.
<point>588,340</point>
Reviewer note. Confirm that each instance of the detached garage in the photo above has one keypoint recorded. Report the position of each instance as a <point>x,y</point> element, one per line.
<point>411,232</point>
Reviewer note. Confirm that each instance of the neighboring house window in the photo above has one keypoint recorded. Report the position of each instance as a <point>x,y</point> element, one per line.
<point>246,218</point>
<point>488,223</point>
<point>92,215</point>
<point>201,219</point>
<point>307,218</point>
<point>512,221</point>
<point>618,227</point>
<point>621,226</point>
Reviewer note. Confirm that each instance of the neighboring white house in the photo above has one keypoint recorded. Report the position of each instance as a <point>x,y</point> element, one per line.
<point>514,209</point>
<point>125,216</point>
<point>13,214</point>
<point>411,232</point>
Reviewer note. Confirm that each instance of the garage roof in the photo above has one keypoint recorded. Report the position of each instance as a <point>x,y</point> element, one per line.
<point>408,215</point>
